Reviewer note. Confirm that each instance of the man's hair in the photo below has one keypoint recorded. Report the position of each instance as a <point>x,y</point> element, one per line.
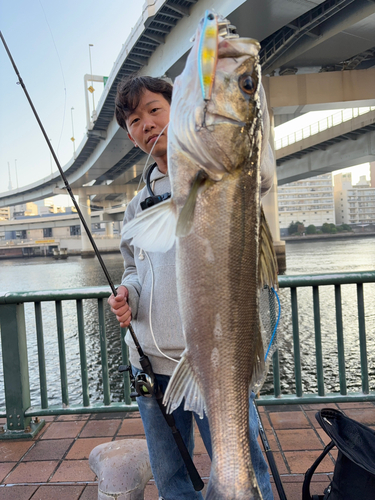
<point>130,91</point>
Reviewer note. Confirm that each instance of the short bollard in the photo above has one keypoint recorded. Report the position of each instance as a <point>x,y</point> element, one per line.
<point>123,469</point>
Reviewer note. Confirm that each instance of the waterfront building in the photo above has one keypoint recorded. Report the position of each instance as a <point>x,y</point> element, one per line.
<point>354,204</point>
<point>4,213</point>
<point>309,201</point>
<point>31,209</point>
<point>17,211</point>
<point>25,209</point>
<point>47,206</point>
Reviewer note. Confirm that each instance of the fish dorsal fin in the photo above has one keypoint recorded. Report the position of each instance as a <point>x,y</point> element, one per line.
<point>186,218</point>
<point>184,384</point>
<point>154,230</point>
<point>267,256</point>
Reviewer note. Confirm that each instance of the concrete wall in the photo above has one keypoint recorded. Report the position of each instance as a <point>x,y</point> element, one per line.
<point>104,244</point>
<point>61,232</point>
<point>35,234</point>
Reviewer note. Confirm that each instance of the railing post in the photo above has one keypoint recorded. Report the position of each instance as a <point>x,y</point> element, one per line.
<point>16,373</point>
<point>125,361</point>
<point>340,340</point>
<point>318,341</point>
<point>296,342</point>
<point>104,353</point>
<point>362,339</point>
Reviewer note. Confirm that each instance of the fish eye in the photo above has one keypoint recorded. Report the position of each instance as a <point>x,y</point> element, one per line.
<point>247,83</point>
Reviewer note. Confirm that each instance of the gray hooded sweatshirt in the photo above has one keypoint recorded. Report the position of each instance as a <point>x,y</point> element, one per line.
<point>157,277</point>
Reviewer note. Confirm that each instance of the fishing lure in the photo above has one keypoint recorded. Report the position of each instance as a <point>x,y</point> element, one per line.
<point>208,54</point>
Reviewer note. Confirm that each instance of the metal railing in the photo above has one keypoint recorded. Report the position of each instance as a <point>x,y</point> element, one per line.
<point>20,414</point>
<point>315,282</point>
<point>325,123</point>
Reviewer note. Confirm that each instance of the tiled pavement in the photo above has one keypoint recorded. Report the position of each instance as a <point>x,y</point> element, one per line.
<point>54,465</point>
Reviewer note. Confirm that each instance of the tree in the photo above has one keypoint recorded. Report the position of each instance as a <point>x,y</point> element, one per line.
<point>295,227</point>
<point>344,227</point>
<point>329,228</point>
<point>311,229</point>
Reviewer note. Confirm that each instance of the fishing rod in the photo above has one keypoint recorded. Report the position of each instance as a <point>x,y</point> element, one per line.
<point>146,386</point>
<point>270,457</point>
<point>68,188</point>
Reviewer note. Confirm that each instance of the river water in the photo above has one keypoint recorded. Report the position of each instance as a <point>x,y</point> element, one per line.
<point>303,257</point>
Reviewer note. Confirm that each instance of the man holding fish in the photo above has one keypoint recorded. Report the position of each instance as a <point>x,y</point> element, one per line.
<point>194,264</point>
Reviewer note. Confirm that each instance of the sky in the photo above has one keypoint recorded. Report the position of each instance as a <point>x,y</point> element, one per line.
<point>49,42</point>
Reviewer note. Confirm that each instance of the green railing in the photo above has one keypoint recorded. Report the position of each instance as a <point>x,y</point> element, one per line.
<point>23,419</point>
<point>314,282</point>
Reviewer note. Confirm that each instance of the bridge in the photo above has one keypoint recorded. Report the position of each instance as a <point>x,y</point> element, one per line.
<point>344,139</point>
<point>315,55</point>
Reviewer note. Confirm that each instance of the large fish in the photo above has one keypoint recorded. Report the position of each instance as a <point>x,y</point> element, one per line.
<point>224,251</point>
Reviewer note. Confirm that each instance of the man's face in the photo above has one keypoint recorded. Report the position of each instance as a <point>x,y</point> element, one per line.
<point>147,121</point>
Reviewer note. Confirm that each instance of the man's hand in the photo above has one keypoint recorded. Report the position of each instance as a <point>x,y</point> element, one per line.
<point>120,307</point>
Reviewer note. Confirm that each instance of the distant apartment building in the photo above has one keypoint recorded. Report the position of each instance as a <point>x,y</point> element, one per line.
<point>4,213</point>
<point>309,201</point>
<point>17,210</point>
<point>354,204</point>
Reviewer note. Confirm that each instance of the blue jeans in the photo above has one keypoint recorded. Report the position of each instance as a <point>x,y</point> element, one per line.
<point>168,468</point>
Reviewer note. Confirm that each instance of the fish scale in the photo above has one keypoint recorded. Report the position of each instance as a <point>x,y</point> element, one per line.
<point>224,285</point>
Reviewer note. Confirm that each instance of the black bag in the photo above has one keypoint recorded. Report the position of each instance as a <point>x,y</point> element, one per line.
<point>354,474</point>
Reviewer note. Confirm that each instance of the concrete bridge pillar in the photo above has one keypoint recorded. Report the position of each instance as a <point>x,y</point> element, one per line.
<point>108,223</point>
<point>109,229</point>
<point>270,202</point>
<point>84,204</point>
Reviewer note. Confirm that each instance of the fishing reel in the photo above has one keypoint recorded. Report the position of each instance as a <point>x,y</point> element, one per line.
<point>143,384</point>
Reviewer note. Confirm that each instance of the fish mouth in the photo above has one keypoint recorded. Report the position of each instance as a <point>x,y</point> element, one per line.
<point>212,119</point>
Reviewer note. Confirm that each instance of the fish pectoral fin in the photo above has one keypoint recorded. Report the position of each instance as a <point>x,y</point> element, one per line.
<point>154,230</point>
<point>184,384</point>
<point>186,218</point>
<point>267,256</point>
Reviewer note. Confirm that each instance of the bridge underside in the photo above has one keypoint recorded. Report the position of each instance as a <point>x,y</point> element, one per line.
<point>317,55</point>
<point>336,156</point>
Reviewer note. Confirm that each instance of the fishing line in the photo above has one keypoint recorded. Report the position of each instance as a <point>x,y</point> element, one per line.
<point>276,325</point>
<point>62,73</point>
<point>150,322</point>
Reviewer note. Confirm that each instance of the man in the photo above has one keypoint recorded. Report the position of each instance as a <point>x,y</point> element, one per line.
<point>148,297</point>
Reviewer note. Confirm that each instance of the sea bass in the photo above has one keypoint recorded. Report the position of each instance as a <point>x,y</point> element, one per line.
<point>216,148</point>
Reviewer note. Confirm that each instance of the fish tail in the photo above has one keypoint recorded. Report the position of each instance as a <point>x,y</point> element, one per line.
<point>215,492</point>
<point>219,491</point>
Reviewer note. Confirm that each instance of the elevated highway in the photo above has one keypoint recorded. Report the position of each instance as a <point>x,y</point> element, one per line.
<point>346,144</point>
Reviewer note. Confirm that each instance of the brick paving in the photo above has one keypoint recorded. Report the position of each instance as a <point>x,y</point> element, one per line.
<point>54,465</point>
